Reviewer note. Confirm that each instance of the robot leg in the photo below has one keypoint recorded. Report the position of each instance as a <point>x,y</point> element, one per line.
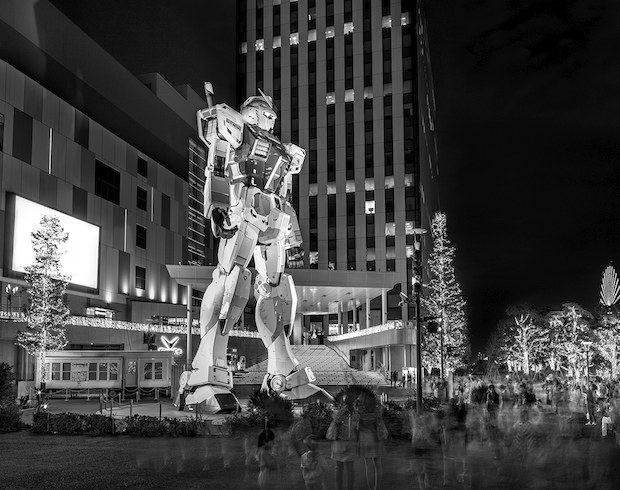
<point>275,314</point>
<point>210,381</point>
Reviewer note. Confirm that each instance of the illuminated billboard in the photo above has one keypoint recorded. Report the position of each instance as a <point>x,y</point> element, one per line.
<point>81,258</point>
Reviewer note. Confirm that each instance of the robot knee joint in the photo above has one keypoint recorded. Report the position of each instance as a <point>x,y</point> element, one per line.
<point>264,289</point>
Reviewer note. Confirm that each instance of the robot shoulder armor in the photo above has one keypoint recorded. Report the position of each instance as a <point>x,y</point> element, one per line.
<point>229,125</point>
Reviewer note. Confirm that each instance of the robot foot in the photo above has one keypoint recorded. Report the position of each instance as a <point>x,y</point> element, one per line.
<point>209,399</point>
<point>306,391</point>
<point>296,386</point>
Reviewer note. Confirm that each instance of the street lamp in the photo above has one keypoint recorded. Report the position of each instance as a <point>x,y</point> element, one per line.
<point>416,280</point>
<point>587,344</point>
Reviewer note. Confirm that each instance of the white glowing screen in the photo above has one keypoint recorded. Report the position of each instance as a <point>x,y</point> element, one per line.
<point>81,258</point>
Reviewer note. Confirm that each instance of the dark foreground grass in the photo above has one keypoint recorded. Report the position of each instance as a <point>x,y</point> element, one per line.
<point>582,460</point>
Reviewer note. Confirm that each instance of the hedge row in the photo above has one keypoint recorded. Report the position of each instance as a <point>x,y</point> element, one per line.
<point>98,425</point>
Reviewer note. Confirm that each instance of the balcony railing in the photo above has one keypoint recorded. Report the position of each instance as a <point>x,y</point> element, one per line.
<point>390,325</point>
<point>98,322</point>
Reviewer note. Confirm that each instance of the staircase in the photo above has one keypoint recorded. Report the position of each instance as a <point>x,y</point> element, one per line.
<point>328,366</point>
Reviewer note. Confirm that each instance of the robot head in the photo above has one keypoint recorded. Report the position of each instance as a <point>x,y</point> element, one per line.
<point>260,111</point>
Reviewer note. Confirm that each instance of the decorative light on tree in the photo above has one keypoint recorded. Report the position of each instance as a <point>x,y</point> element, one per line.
<point>610,287</point>
<point>523,337</point>
<point>607,336</point>
<point>47,312</point>
<point>445,300</point>
<point>567,329</point>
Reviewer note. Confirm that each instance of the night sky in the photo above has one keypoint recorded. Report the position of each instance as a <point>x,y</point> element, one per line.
<point>528,124</point>
<point>528,118</point>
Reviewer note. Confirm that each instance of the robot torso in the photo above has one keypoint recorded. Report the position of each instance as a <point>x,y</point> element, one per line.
<point>261,161</point>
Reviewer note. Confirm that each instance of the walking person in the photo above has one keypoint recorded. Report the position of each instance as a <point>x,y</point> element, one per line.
<point>312,467</point>
<point>372,433</point>
<point>267,460</point>
<point>343,431</point>
<point>591,404</point>
<point>492,405</point>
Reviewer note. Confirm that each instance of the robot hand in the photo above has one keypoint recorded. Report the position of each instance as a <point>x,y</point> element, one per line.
<point>220,219</point>
<point>295,257</point>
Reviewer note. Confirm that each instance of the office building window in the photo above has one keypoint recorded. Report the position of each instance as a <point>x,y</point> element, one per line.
<point>311,14</point>
<point>140,277</point>
<point>81,129</point>
<point>259,22</point>
<point>276,20</point>
<point>107,182</point>
<point>22,136</point>
<point>141,198</point>
<point>143,167</point>
<point>294,17</point>
<point>140,236</point>
<point>329,11</point>
<point>1,132</point>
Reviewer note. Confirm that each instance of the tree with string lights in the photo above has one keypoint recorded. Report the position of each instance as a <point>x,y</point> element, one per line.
<point>444,300</point>
<point>567,329</point>
<point>46,286</point>
<point>523,337</point>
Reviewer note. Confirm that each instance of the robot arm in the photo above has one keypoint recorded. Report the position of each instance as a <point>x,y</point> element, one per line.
<point>297,155</point>
<point>292,238</point>
<point>220,128</point>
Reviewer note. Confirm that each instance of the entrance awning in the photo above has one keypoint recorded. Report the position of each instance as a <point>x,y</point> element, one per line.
<point>319,291</point>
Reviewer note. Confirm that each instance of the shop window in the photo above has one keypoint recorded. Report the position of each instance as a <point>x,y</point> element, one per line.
<point>55,371</point>
<point>153,370</point>
<point>66,371</point>
<point>92,371</point>
<point>103,371</point>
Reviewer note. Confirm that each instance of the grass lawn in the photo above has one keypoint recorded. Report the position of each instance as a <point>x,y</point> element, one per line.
<point>38,461</point>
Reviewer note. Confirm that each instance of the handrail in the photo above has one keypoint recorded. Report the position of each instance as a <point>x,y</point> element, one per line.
<point>390,325</point>
<point>337,351</point>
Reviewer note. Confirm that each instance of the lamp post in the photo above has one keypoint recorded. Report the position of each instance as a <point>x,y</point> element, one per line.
<point>587,344</point>
<point>416,280</point>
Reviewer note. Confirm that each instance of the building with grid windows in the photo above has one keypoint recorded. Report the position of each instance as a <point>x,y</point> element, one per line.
<point>344,76</point>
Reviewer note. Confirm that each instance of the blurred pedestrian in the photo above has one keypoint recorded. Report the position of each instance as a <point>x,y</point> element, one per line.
<point>267,460</point>
<point>591,404</point>
<point>343,431</point>
<point>312,466</point>
<point>372,433</point>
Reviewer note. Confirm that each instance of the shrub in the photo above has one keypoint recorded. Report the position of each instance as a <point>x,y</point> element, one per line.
<point>277,411</point>
<point>396,421</point>
<point>7,385</point>
<point>98,425</point>
<point>427,403</point>
<point>142,425</point>
<point>176,427</point>
<point>319,415</point>
<point>9,418</point>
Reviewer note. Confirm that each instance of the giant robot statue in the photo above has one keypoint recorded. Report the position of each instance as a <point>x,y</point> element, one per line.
<point>247,198</point>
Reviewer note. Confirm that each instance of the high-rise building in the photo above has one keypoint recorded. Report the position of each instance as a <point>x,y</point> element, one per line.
<point>343,74</point>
